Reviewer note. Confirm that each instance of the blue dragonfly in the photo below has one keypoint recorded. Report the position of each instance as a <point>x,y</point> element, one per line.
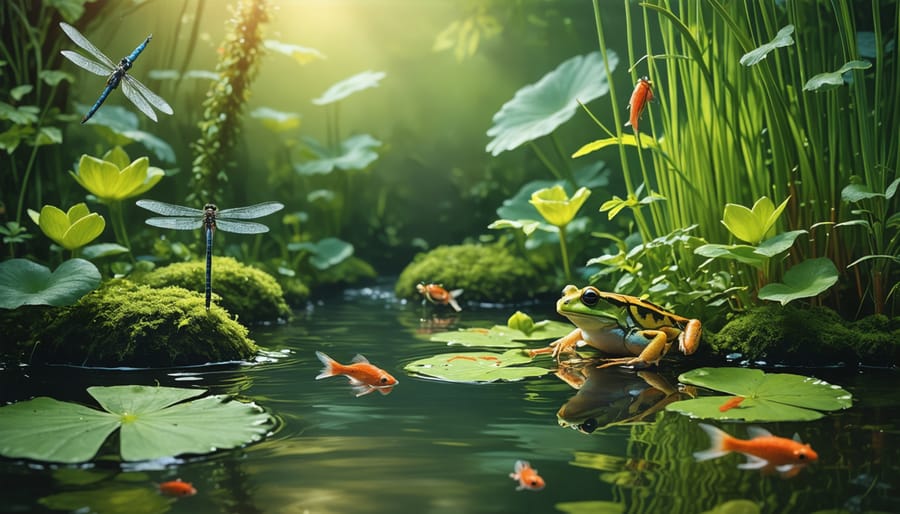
<point>139,94</point>
<point>210,218</point>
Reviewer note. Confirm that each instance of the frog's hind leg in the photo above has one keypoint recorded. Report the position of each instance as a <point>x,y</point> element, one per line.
<point>654,351</point>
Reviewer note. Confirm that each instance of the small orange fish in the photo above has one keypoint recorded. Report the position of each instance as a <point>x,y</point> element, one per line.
<point>364,377</point>
<point>764,451</point>
<point>527,476</point>
<point>177,488</point>
<point>731,403</point>
<point>643,93</point>
<point>436,294</point>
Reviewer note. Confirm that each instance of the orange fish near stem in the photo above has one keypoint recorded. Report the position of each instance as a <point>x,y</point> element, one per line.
<point>731,403</point>
<point>364,377</point>
<point>177,488</point>
<point>764,451</point>
<point>643,93</point>
<point>436,294</point>
<point>527,476</point>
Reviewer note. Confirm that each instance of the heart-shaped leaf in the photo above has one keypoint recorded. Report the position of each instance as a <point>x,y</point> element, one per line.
<point>476,367</point>
<point>350,85</point>
<point>767,396</point>
<point>23,282</point>
<point>153,424</point>
<point>805,280</point>
<point>538,109</point>
<point>355,153</point>
<point>783,38</point>
<point>325,253</point>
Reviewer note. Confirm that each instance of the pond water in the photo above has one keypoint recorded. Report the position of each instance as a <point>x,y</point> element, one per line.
<point>435,447</point>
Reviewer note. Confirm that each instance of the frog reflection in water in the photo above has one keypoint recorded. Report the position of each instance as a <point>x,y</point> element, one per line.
<point>608,397</point>
<point>617,324</point>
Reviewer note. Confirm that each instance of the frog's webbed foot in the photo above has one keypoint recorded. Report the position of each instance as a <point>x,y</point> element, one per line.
<point>563,346</point>
<point>627,361</point>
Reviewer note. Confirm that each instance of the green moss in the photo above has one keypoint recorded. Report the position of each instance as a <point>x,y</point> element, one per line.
<point>486,273</point>
<point>124,324</point>
<point>250,294</point>
<point>815,335</point>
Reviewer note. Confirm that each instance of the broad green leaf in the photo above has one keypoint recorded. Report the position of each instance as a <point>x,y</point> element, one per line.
<point>858,192</point>
<point>23,282</point>
<point>20,91</point>
<point>768,396</point>
<point>783,38</point>
<point>778,244</point>
<point>476,367</point>
<point>501,336</point>
<point>301,54</point>
<point>752,225</point>
<point>538,109</point>
<point>348,86</point>
<point>152,420</point>
<point>276,121</point>
<point>626,139</point>
<point>325,253</point>
<point>556,206</point>
<point>70,10</point>
<point>526,226</point>
<point>736,507</point>
<point>54,77</point>
<point>355,153</point>
<point>101,250</point>
<point>590,507</point>
<point>831,80</point>
<point>807,279</point>
<point>48,136</point>
<point>22,115</point>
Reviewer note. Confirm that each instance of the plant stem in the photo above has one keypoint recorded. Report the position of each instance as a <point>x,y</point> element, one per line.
<point>565,253</point>
<point>545,160</point>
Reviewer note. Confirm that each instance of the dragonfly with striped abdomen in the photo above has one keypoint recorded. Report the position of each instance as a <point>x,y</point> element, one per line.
<point>139,94</point>
<point>210,218</point>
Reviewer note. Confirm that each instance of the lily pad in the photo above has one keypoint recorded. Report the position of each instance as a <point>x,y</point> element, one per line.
<point>355,153</point>
<point>152,422</point>
<point>326,253</point>
<point>23,282</point>
<point>351,85</point>
<point>807,279</point>
<point>768,396</point>
<point>476,367</point>
<point>501,336</point>
<point>538,109</point>
<point>783,38</point>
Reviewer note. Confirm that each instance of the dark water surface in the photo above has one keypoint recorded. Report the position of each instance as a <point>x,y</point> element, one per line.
<point>433,447</point>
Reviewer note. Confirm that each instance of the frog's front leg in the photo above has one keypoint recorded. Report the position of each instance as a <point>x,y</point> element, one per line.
<point>656,344</point>
<point>564,345</point>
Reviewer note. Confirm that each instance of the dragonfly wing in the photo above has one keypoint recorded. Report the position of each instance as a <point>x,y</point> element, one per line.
<point>86,63</point>
<point>168,209</point>
<point>176,222</point>
<point>154,99</point>
<point>137,98</point>
<point>240,227</point>
<point>251,211</point>
<point>83,42</point>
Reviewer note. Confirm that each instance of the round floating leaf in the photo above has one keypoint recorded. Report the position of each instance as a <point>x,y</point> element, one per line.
<point>538,109</point>
<point>768,396</point>
<point>351,85</point>
<point>501,336</point>
<point>153,424</point>
<point>326,253</point>
<point>807,279</point>
<point>476,367</point>
<point>23,282</point>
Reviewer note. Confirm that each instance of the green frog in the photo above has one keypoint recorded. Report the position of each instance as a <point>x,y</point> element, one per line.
<point>617,324</point>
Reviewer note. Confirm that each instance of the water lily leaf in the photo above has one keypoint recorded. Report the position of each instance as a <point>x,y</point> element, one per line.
<point>768,396</point>
<point>501,336</point>
<point>109,498</point>
<point>355,153</point>
<point>538,109</point>
<point>152,422</point>
<point>100,250</point>
<point>23,282</point>
<point>348,86</point>
<point>326,253</point>
<point>805,280</point>
<point>783,38</point>
<point>476,367</point>
<point>831,80</point>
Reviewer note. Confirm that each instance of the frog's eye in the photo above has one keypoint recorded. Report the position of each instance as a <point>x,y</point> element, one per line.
<point>590,297</point>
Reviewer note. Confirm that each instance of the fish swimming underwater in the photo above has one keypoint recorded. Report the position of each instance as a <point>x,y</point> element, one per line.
<point>764,451</point>
<point>436,294</point>
<point>177,488</point>
<point>364,377</point>
<point>643,93</point>
<point>527,476</point>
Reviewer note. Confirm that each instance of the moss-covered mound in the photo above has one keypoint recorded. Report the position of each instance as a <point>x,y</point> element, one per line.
<point>486,273</point>
<point>124,324</point>
<point>811,336</point>
<point>250,294</point>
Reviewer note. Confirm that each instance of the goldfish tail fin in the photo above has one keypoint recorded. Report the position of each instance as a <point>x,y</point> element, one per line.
<point>628,123</point>
<point>520,465</point>
<point>753,462</point>
<point>716,439</point>
<point>328,370</point>
<point>454,304</point>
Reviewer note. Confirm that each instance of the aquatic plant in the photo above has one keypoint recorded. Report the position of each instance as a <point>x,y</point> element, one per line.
<point>152,422</point>
<point>23,282</point>
<point>519,330</point>
<point>71,229</point>
<point>237,68</point>
<point>476,367</point>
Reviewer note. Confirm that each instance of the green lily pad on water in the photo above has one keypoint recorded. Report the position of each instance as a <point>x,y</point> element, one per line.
<point>767,396</point>
<point>501,336</point>
<point>23,282</point>
<point>476,367</point>
<point>153,423</point>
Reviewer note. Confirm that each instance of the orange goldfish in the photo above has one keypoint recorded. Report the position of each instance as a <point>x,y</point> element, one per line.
<point>731,403</point>
<point>364,377</point>
<point>436,294</point>
<point>643,93</point>
<point>764,451</point>
<point>177,488</point>
<point>527,476</point>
